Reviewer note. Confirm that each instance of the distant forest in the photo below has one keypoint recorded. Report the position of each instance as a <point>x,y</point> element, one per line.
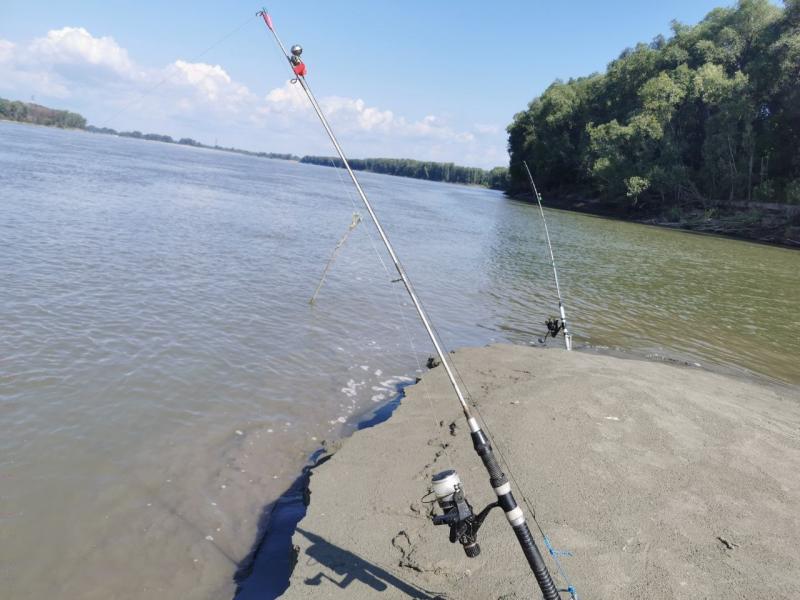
<point>26,112</point>
<point>708,117</point>
<point>432,171</point>
<point>157,137</point>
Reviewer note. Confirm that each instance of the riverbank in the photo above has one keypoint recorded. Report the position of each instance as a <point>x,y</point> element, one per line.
<point>764,222</point>
<point>664,481</point>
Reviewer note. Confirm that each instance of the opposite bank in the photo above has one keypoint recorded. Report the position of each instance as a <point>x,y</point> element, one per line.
<point>769,223</point>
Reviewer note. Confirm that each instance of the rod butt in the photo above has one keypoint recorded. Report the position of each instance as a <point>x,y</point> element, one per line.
<point>535,560</point>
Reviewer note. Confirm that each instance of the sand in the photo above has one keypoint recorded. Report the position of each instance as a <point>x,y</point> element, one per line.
<point>663,481</point>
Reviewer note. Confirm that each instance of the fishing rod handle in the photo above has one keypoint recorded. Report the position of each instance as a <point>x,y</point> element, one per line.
<point>536,562</point>
<point>514,514</point>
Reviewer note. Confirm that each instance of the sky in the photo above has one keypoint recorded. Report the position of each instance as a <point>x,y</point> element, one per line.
<point>430,80</point>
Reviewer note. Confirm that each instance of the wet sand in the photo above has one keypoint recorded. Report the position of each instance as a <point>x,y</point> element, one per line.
<point>664,481</point>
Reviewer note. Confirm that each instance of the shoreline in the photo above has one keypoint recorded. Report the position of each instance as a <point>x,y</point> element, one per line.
<point>758,233</point>
<point>366,530</point>
<point>274,548</point>
<point>265,573</point>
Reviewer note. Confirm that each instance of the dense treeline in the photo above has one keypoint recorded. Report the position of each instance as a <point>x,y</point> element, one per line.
<point>709,117</point>
<point>27,112</point>
<point>497,178</point>
<point>432,171</point>
<point>157,137</point>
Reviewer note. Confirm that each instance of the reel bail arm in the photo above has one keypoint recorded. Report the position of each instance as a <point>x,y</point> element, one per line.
<point>458,514</point>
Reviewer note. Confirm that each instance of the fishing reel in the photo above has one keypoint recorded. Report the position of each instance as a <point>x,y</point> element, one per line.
<point>457,513</point>
<point>553,327</point>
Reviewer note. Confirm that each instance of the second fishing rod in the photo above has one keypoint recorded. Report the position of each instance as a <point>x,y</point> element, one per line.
<point>552,325</point>
<point>457,513</point>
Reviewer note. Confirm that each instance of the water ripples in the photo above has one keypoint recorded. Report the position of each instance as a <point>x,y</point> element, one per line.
<point>155,303</point>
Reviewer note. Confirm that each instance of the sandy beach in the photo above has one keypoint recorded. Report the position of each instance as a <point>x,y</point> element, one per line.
<point>663,481</point>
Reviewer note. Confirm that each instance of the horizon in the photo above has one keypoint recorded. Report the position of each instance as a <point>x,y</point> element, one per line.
<point>446,98</point>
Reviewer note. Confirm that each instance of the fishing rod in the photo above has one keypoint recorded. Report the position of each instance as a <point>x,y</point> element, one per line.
<point>553,326</point>
<point>457,512</point>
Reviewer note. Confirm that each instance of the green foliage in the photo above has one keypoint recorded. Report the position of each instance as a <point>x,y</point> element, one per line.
<point>497,178</point>
<point>764,191</point>
<point>661,95</point>
<point>675,214</point>
<point>793,192</point>
<point>709,116</point>
<point>636,186</point>
<point>26,112</point>
<point>157,137</point>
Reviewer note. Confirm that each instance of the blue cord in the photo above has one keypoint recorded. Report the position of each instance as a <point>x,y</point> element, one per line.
<point>555,554</point>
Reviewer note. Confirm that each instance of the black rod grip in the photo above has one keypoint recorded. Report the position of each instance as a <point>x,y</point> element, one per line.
<point>484,449</point>
<point>497,478</point>
<point>536,562</point>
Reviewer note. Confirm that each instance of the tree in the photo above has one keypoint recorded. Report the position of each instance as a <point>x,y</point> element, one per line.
<point>710,115</point>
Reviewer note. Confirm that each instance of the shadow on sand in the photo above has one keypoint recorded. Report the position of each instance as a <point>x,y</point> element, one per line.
<point>350,567</point>
<point>264,573</point>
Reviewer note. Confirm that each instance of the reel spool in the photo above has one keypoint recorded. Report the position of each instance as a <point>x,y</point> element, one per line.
<point>457,512</point>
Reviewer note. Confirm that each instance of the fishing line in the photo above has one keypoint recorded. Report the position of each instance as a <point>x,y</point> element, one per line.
<point>406,327</point>
<point>456,511</point>
<point>426,391</point>
<point>400,304</point>
<point>531,508</point>
<point>501,453</point>
<point>398,300</point>
<point>504,460</point>
<point>171,76</point>
<point>528,503</point>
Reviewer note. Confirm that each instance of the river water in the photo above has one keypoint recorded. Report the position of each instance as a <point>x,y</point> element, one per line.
<point>163,376</point>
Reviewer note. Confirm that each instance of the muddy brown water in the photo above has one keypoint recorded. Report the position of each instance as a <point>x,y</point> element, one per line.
<point>163,377</point>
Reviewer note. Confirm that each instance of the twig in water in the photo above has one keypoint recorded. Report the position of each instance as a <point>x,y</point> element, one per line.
<point>356,220</point>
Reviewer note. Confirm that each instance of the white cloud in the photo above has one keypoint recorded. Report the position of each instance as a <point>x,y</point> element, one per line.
<point>75,45</point>
<point>202,100</point>
<point>211,83</point>
<point>354,115</point>
<point>6,50</point>
<point>70,62</point>
<point>62,61</point>
<point>485,128</point>
<point>286,99</point>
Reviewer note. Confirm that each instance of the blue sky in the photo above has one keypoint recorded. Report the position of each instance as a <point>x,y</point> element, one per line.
<point>430,80</point>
